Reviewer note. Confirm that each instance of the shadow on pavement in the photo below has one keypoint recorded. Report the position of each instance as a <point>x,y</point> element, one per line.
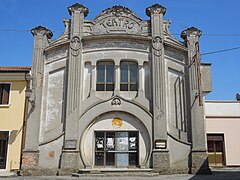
<point>226,174</point>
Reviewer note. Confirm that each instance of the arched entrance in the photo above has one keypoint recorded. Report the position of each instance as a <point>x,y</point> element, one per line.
<point>116,140</point>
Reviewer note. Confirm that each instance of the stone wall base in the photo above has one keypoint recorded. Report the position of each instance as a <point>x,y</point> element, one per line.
<point>30,161</point>
<point>161,162</point>
<point>200,163</point>
<point>70,163</point>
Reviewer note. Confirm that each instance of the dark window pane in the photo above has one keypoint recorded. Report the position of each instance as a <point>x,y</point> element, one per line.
<point>133,87</point>
<point>3,149</point>
<point>110,87</point>
<point>133,159</point>
<point>100,87</point>
<point>100,72</point>
<point>99,159</point>
<point>6,90</point>
<point>4,93</point>
<point>133,73</point>
<point>133,143</point>
<point>123,87</point>
<point>1,93</point>
<point>110,159</point>
<point>124,72</point>
<point>210,146</point>
<point>110,144</point>
<point>110,73</point>
<point>99,140</point>
<point>219,146</point>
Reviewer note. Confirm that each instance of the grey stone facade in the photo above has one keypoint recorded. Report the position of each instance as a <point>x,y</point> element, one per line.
<point>165,111</point>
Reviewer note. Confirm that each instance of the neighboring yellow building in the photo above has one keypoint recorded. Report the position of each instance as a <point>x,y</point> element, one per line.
<point>13,83</point>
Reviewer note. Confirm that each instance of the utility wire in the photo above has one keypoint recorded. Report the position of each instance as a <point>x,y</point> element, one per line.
<point>203,54</point>
<point>223,50</point>
<point>14,30</point>
<point>26,30</point>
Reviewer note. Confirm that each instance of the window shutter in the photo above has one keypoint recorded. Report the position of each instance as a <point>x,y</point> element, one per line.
<point>6,91</point>
<point>1,93</point>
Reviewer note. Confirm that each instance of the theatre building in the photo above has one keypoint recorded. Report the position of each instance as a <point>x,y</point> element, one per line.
<point>116,93</point>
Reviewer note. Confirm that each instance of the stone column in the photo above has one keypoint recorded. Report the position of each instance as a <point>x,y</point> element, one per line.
<point>30,152</point>
<point>70,158</point>
<point>161,161</point>
<point>199,159</point>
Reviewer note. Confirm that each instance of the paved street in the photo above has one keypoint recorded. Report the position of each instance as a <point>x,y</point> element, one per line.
<point>218,174</point>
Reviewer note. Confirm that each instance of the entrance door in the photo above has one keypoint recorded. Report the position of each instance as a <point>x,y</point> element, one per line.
<point>3,148</point>
<point>119,149</point>
<point>215,150</point>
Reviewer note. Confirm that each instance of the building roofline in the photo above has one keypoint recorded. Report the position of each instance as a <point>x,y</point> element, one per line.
<point>222,101</point>
<point>15,68</point>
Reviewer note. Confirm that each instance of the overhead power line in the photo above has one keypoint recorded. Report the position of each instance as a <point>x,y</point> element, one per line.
<point>203,54</point>
<point>14,30</point>
<point>213,34</point>
<point>219,51</point>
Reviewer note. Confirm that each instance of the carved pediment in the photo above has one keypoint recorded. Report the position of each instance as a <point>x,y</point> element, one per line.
<point>117,19</point>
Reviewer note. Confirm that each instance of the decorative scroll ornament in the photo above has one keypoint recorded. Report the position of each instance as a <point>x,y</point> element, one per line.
<point>75,45</point>
<point>116,102</point>
<point>117,11</point>
<point>157,45</point>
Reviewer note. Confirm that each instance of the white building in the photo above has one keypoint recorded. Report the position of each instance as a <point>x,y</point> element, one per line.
<point>118,93</point>
<point>222,127</point>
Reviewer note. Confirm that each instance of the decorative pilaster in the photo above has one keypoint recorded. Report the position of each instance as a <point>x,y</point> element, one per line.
<point>117,79</point>
<point>198,133</point>
<point>74,91</point>
<point>140,81</point>
<point>41,41</point>
<point>156,13</point>
<point>78,12</point>
<point>93,80</point>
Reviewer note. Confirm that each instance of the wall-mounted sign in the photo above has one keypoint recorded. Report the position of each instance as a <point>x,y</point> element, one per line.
<point>117,122</point>
<point>117,19</point>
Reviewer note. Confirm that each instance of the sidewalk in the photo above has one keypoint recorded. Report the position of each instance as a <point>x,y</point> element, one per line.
<point>217,174</point>
<point>7,174</point>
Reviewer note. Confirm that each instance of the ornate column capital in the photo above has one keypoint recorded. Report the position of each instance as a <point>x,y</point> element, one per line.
<point>78,8</point>
<point>42,31</point>
<point>155,9</point>
<point>192,31</point>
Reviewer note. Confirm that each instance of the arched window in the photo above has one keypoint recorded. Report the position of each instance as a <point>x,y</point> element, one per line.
<point>105,76</point>
<point>129,76</point>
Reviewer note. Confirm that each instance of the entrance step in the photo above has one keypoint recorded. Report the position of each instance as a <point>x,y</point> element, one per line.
<point>103,172</point>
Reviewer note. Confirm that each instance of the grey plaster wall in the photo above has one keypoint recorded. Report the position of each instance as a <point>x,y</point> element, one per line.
<point>50,154</point>
<point>179,156</point>
<point>69,109</point>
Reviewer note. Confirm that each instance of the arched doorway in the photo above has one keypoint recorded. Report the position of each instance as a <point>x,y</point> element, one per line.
<point>115,139</point>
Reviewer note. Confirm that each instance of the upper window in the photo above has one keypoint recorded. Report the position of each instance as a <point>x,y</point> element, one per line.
<point>105,76</point>
<point>4,93</point>
<point>129,76</point>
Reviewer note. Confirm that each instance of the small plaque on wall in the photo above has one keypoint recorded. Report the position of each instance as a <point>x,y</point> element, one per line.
<point>70,144</point>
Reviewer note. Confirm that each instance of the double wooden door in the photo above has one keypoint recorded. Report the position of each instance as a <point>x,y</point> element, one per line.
<point>215,144</point>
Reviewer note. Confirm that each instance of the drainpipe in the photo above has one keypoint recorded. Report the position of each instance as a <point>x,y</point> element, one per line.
<point>27,95</point>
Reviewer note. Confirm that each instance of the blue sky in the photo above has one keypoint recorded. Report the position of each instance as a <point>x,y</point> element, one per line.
<point>212,17</point>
